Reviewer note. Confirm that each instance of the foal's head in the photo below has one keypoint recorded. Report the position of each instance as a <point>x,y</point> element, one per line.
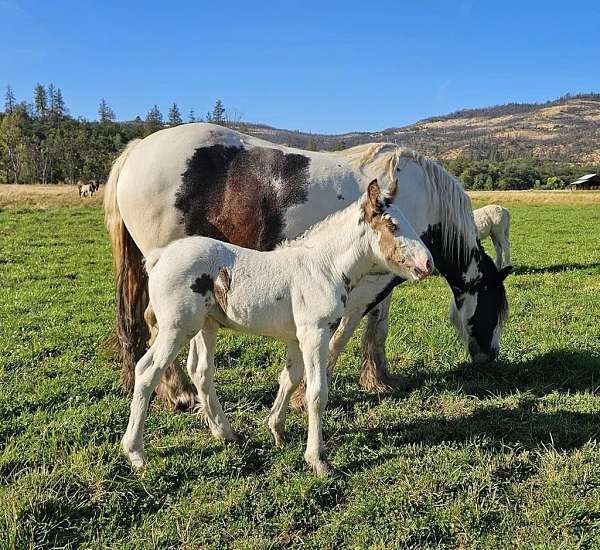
<point>396,243</point>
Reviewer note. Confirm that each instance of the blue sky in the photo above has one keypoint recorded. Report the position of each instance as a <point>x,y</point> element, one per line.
<point>323,66</point>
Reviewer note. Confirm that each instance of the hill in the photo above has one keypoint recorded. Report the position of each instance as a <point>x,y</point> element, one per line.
<point>566,129</point>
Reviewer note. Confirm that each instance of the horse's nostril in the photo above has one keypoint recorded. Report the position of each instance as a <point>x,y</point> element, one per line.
<point>428,266</point>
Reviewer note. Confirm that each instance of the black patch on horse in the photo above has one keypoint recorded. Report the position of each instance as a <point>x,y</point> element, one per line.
<point>203,284</point>
<point>384,293</point>
<point>241,195</point>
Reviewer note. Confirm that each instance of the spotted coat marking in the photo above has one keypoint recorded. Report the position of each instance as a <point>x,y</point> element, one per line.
<point>241,195</point>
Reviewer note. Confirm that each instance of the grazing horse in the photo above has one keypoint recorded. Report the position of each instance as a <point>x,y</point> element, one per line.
<point>296,293</point>
<point>203,179</point>
<point>87,188</point>
<point>494,221</point>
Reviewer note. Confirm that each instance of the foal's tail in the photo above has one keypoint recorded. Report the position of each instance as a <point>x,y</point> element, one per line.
<point>131,279</point>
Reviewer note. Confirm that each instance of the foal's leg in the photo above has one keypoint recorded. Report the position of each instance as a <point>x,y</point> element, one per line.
<point>174,388</point>
<point>290,377</point>
<point>201,368</point>
<point>337,343</point>
<point>313,343</point>
<point>374,375</point>
<point>148,372</point>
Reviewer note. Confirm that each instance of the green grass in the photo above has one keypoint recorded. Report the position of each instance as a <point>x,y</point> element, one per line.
<point>467,457</point>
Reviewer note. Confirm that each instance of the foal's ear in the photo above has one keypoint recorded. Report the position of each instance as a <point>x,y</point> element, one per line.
<point>505,272</point>
<point>374,193</point>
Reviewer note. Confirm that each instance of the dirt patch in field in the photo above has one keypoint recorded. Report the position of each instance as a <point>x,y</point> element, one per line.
<point>44,196</point>
<point>535,197</point>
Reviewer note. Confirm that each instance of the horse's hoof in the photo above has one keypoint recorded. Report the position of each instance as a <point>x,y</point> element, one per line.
<point>137,459</point>
<point>321,467</point>
<point>278,434</point>
<point>379,380</point>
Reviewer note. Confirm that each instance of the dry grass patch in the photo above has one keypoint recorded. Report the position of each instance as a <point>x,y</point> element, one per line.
<point>535,197</point>
<point>44,196</point>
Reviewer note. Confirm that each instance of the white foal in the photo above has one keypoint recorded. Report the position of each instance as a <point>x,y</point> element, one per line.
<point>494,221</point>
<point>296,293</point>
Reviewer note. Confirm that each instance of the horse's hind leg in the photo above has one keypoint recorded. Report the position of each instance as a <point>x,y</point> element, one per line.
<point>174,388</point>
<point>201,368</point>
<point>290,377</point>
<point>148,372</point>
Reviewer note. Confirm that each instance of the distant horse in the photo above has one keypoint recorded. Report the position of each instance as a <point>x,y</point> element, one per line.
<point>87,188</point>
<point>296,293</point>
<point>203,179</point>
<point>494,221</point>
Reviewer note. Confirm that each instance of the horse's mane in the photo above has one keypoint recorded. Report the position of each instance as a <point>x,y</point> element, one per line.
<point>446,192</point>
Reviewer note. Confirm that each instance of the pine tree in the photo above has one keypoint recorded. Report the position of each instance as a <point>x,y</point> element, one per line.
<point>192,116</point>
<point>105,113</point>
<point>40,100</point>
<point>218,113</point>
<point>311,144</point>
<point>154,116</point>
<point>154,121</point>
<point>9,100</point>
<point>174,115</point>
<point>58,104</point>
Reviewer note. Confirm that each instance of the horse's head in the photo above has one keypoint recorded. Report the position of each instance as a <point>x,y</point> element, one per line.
<point>397,244</point>
<point>480,308</point>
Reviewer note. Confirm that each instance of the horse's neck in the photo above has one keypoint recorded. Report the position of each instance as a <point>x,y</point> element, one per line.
<point>343,246</point>
<point>454,264</point>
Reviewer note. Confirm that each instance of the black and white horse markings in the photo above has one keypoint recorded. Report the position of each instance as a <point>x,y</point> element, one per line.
<point>203,179</point>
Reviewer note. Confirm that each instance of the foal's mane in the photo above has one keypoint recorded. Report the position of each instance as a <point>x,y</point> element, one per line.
<point>445,191</point>
<point>315,230</point>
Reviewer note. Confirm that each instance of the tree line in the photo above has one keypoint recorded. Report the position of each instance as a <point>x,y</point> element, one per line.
<point>41,143</point>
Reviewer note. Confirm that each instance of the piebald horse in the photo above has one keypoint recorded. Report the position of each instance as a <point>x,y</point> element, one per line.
<point>204,179</point>
<point>296,293</point>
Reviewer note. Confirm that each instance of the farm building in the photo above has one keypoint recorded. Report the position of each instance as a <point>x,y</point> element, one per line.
<point>589,181</point>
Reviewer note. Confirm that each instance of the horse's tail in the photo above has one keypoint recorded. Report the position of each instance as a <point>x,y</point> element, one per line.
<point>130,275</point>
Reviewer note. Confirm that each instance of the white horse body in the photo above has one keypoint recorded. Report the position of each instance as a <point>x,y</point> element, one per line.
<point>297,293</point>
<point>203,179</point>
<point>494,221</point>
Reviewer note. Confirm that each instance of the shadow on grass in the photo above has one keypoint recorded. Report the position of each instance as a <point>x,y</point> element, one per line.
<point>555,268</point>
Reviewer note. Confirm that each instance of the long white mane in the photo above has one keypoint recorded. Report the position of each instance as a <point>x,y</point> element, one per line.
<point>445,191</point>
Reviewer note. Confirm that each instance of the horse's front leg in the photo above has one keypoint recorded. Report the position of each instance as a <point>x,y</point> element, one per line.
<point>314,346</point>
<point>337,344</point>
<point>374,375</point>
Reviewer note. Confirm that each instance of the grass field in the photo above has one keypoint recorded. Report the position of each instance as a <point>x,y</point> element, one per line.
<point>491,457</point>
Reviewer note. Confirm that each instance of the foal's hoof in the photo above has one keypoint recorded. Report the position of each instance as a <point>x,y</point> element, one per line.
<point>321,467</point>
<point>278,434</point>
<point>231,437</point>
<point>137,459</point>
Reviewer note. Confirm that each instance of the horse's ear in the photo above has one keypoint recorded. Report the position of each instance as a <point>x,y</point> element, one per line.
<point>505,272</point>
<point>374,193</point>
